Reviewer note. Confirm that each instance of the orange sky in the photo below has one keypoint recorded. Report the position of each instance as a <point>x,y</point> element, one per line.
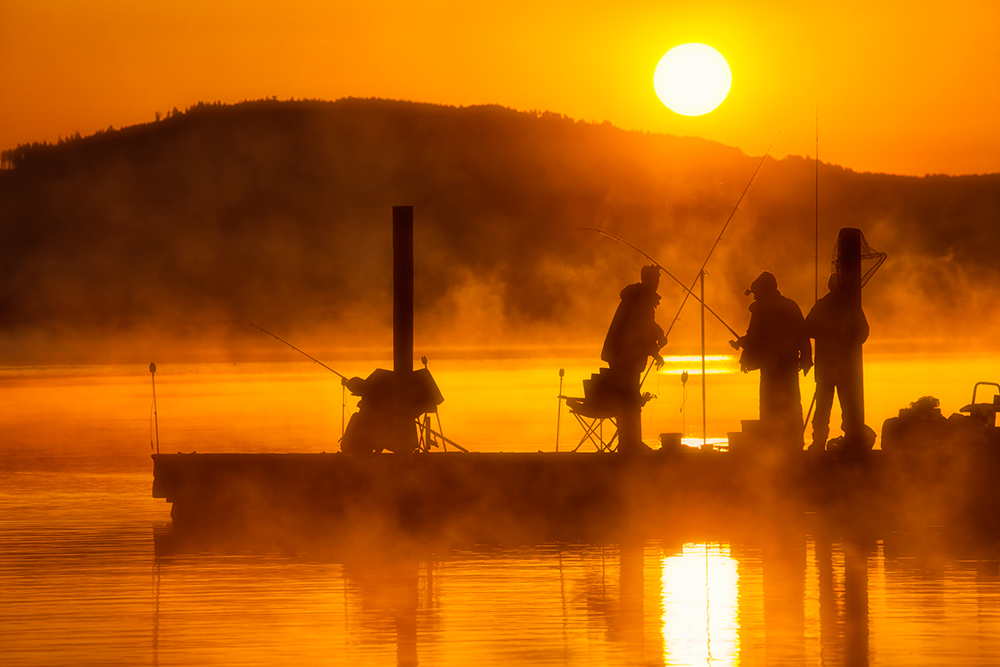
<point>903,87</point>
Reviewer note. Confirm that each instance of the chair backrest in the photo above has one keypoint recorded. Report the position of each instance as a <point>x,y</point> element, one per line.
<point>599,395</point>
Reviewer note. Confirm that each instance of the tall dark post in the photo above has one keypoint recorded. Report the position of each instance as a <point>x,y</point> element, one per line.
<point>402,289</point>
<point>849,268</point>
<point>402,317</point>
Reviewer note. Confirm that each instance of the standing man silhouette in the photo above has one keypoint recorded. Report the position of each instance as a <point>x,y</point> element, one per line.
<point>776,342</point>
<point>840,328</point>
<point>632,338</point>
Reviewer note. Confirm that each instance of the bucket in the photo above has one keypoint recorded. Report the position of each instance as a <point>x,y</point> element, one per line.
<point>670,441</point>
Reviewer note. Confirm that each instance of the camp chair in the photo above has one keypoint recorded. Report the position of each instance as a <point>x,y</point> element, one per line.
<point>596,407</point>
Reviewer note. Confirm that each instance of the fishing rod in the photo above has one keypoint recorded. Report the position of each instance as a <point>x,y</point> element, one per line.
<point>340,375</point>
<point>661,268</point>
<point>447,441</point>
<point>719,238</point>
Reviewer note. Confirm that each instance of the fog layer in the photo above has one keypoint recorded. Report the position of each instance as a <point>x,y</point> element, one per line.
<point>176,234</point>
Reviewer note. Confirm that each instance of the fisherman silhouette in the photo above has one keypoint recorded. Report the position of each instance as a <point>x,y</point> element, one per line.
<point>632,338</point>
<point>776,342</point>
<point>840,329</point>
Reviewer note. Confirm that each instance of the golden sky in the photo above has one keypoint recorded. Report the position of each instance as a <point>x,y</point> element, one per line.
<point>902,87</point>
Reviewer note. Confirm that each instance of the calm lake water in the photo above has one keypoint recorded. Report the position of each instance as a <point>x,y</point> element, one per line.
<point>92,573</point>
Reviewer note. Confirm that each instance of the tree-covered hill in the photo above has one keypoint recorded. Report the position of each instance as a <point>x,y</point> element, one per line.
<point>181,231</point>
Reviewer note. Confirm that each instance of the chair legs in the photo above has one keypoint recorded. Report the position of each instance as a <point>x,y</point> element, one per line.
<point>593,432</point>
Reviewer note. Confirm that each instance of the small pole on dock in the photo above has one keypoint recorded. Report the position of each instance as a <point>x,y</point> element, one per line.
<point>684,396</point>
<point>559,399</point>
<point>704,400</point>
<point>152,372</point>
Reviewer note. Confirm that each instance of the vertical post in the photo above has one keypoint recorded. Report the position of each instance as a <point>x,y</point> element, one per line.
<point>402,289</point>
<point>402,319</point>
<point>562,372</point>
<point>704,399</point>
<point>156,419</point>
<point>849,268</point>
<point>816,295</point>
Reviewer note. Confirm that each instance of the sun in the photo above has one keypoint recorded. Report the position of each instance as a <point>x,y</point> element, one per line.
<point>692,79</point>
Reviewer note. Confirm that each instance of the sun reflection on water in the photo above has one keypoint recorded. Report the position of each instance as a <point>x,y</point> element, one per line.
<point>700,596</point>
<point>715,364</point>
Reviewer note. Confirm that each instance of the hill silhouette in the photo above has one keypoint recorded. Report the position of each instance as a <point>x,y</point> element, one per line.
<point>183,230</point>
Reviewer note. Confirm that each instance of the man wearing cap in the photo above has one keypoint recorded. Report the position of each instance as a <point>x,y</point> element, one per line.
<point>777,343</point>
<point>632,338</point>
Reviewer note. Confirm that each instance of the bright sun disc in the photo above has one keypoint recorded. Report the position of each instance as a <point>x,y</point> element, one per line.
<point>692,79</point>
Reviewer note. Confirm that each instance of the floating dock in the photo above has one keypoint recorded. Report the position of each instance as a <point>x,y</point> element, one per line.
<point>491,496</point>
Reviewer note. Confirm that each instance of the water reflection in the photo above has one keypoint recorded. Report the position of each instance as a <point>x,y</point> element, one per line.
<point>700,606</point>
<point>764,595</point>
<point>776,596</point>
<point>83,579</point>
<point>390,597</point>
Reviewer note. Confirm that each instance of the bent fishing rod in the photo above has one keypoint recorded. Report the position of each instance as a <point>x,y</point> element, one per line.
<point>719,238</point>
<point>661,268</point>
<point>340,375</point>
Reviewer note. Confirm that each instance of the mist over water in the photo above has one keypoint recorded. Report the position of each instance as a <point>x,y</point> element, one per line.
<point>172,236</point>
<point>102,416</point>
<point>94,573</point>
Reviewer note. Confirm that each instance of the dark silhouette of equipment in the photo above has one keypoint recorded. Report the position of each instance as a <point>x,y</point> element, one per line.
<point>921,429</point>
<point>597,406</point>
<point>373,427</point>
<point>985,413</point>
<point>867,260</point>
<point>395,406</point>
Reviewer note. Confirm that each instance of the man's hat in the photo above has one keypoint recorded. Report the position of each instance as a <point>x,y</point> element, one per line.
<point>765,282</point>
<point>649,273</point>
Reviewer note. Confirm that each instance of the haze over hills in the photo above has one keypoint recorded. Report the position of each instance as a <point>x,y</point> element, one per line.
<point>178,233</point>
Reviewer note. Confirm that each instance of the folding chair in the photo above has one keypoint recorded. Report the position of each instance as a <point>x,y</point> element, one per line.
<point>591,411</point>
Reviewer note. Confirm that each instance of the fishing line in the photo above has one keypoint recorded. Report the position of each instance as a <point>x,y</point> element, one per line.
<point>684,397</point>
<point>661,268</point>
<point>719,238</point>
<point>342,377</point>
<point>646,375</point>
